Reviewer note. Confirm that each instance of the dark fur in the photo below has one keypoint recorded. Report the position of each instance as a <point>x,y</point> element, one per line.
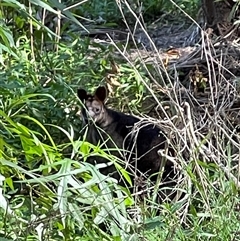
<point>142,141</point>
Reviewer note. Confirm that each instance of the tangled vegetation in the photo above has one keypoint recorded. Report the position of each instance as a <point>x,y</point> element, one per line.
<point>49,49</point>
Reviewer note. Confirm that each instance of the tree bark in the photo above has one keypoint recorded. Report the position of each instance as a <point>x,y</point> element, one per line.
<point>219,16</point>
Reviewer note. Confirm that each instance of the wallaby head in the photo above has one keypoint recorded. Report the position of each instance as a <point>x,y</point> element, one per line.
<point>95,105</point>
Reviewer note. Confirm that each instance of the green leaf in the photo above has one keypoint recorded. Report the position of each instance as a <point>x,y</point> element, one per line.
<point>14,4</point>
<point>44,5</point>
<point>40,125</point>
<point>9,182</point>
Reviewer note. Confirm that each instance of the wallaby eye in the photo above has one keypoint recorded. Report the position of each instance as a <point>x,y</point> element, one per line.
<point>97,110</point>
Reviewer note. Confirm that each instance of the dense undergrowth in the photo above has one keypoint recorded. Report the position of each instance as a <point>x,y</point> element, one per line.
<point>47,190</point>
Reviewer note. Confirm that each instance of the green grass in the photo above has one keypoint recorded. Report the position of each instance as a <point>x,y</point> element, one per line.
<point>47,190</point>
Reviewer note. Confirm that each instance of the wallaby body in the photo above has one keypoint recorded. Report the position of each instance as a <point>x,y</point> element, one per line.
<point>141,141</point>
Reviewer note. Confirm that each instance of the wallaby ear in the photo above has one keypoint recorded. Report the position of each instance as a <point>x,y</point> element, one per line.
<point>101,93</point>
<point>82,94</point>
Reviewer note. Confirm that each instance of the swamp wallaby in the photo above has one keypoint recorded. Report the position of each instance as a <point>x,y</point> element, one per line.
<point>139,140</point>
